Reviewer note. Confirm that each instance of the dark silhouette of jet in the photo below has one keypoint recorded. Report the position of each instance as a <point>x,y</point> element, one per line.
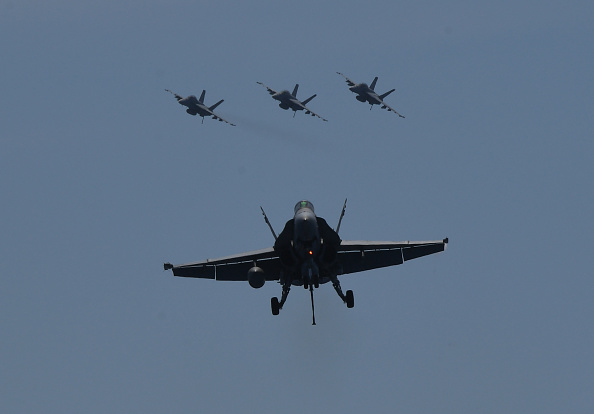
<point>197,106</point>
<point>367,94</point>
<point>307,253</point>
<point>289,101</point>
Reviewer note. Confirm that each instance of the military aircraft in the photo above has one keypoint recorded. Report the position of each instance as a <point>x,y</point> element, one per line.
<point>308,252</point>
<point>367,93</point>
<point>197,106</point>
<point>289,101</point>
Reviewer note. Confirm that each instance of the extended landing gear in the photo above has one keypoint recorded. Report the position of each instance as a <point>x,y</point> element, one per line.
<point>349,298</point>
<point>275,304</point>
<point>315,282</point>
<point>313,312</point>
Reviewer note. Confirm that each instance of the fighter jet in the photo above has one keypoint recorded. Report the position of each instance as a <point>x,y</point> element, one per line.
<point>367,94</point>
<point>197,106</point>
<point>308,253</point>
<point>289,101</point>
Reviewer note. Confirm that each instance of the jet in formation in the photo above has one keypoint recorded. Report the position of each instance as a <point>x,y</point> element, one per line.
<point>289,101</point>
<point>308,253</point>
<point>197,107</point>
<point>366,93</point>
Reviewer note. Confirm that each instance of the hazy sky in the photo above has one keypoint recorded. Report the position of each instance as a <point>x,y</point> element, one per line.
<point>104,177</point>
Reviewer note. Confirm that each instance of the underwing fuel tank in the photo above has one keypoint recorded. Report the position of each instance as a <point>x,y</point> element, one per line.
<point>256,277</point>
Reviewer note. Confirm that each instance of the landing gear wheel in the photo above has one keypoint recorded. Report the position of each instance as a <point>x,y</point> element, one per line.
<point>274,305</point>
<point>350,299</point>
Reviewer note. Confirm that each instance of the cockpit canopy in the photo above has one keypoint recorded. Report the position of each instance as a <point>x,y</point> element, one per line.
<point>304,204</point>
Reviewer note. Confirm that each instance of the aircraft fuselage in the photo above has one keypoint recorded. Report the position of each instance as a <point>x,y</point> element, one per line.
<point>307,247</point>
<point>307,250</point>
<point>194,106</point>
<point>306,241</point>
<point>365,94</point>
<point>287,101</point>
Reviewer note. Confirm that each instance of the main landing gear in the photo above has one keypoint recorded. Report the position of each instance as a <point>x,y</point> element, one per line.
<point>350,299</point>
<point>277,305</point>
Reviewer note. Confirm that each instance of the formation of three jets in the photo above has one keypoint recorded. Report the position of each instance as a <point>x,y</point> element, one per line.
<point>288,100</point>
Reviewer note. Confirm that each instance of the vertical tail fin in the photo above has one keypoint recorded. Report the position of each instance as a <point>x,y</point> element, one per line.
<point>295,90</point>
<point>372,86</point>
<point>341,216</point>
<point>201,100</point>
<point>268,222</point>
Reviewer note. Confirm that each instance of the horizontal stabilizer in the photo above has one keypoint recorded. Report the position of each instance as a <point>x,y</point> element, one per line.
<point>309,99</point>
<point>215,105</point>
<point>386,94</point>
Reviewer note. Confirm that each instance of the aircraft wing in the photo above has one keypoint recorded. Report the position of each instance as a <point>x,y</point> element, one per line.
<point>234,268</point>
<point>358,256</point>
<point>178,97</point>
<point>389,108</point>
<point>310,112</point>
<point>215,116</point>
<point>270,90</point>
<point>350,82</point>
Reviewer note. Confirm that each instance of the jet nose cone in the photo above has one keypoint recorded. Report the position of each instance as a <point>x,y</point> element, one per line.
<point>306,226</point>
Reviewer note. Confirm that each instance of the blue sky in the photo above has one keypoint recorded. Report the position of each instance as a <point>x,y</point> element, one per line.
<point>104,177</point>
